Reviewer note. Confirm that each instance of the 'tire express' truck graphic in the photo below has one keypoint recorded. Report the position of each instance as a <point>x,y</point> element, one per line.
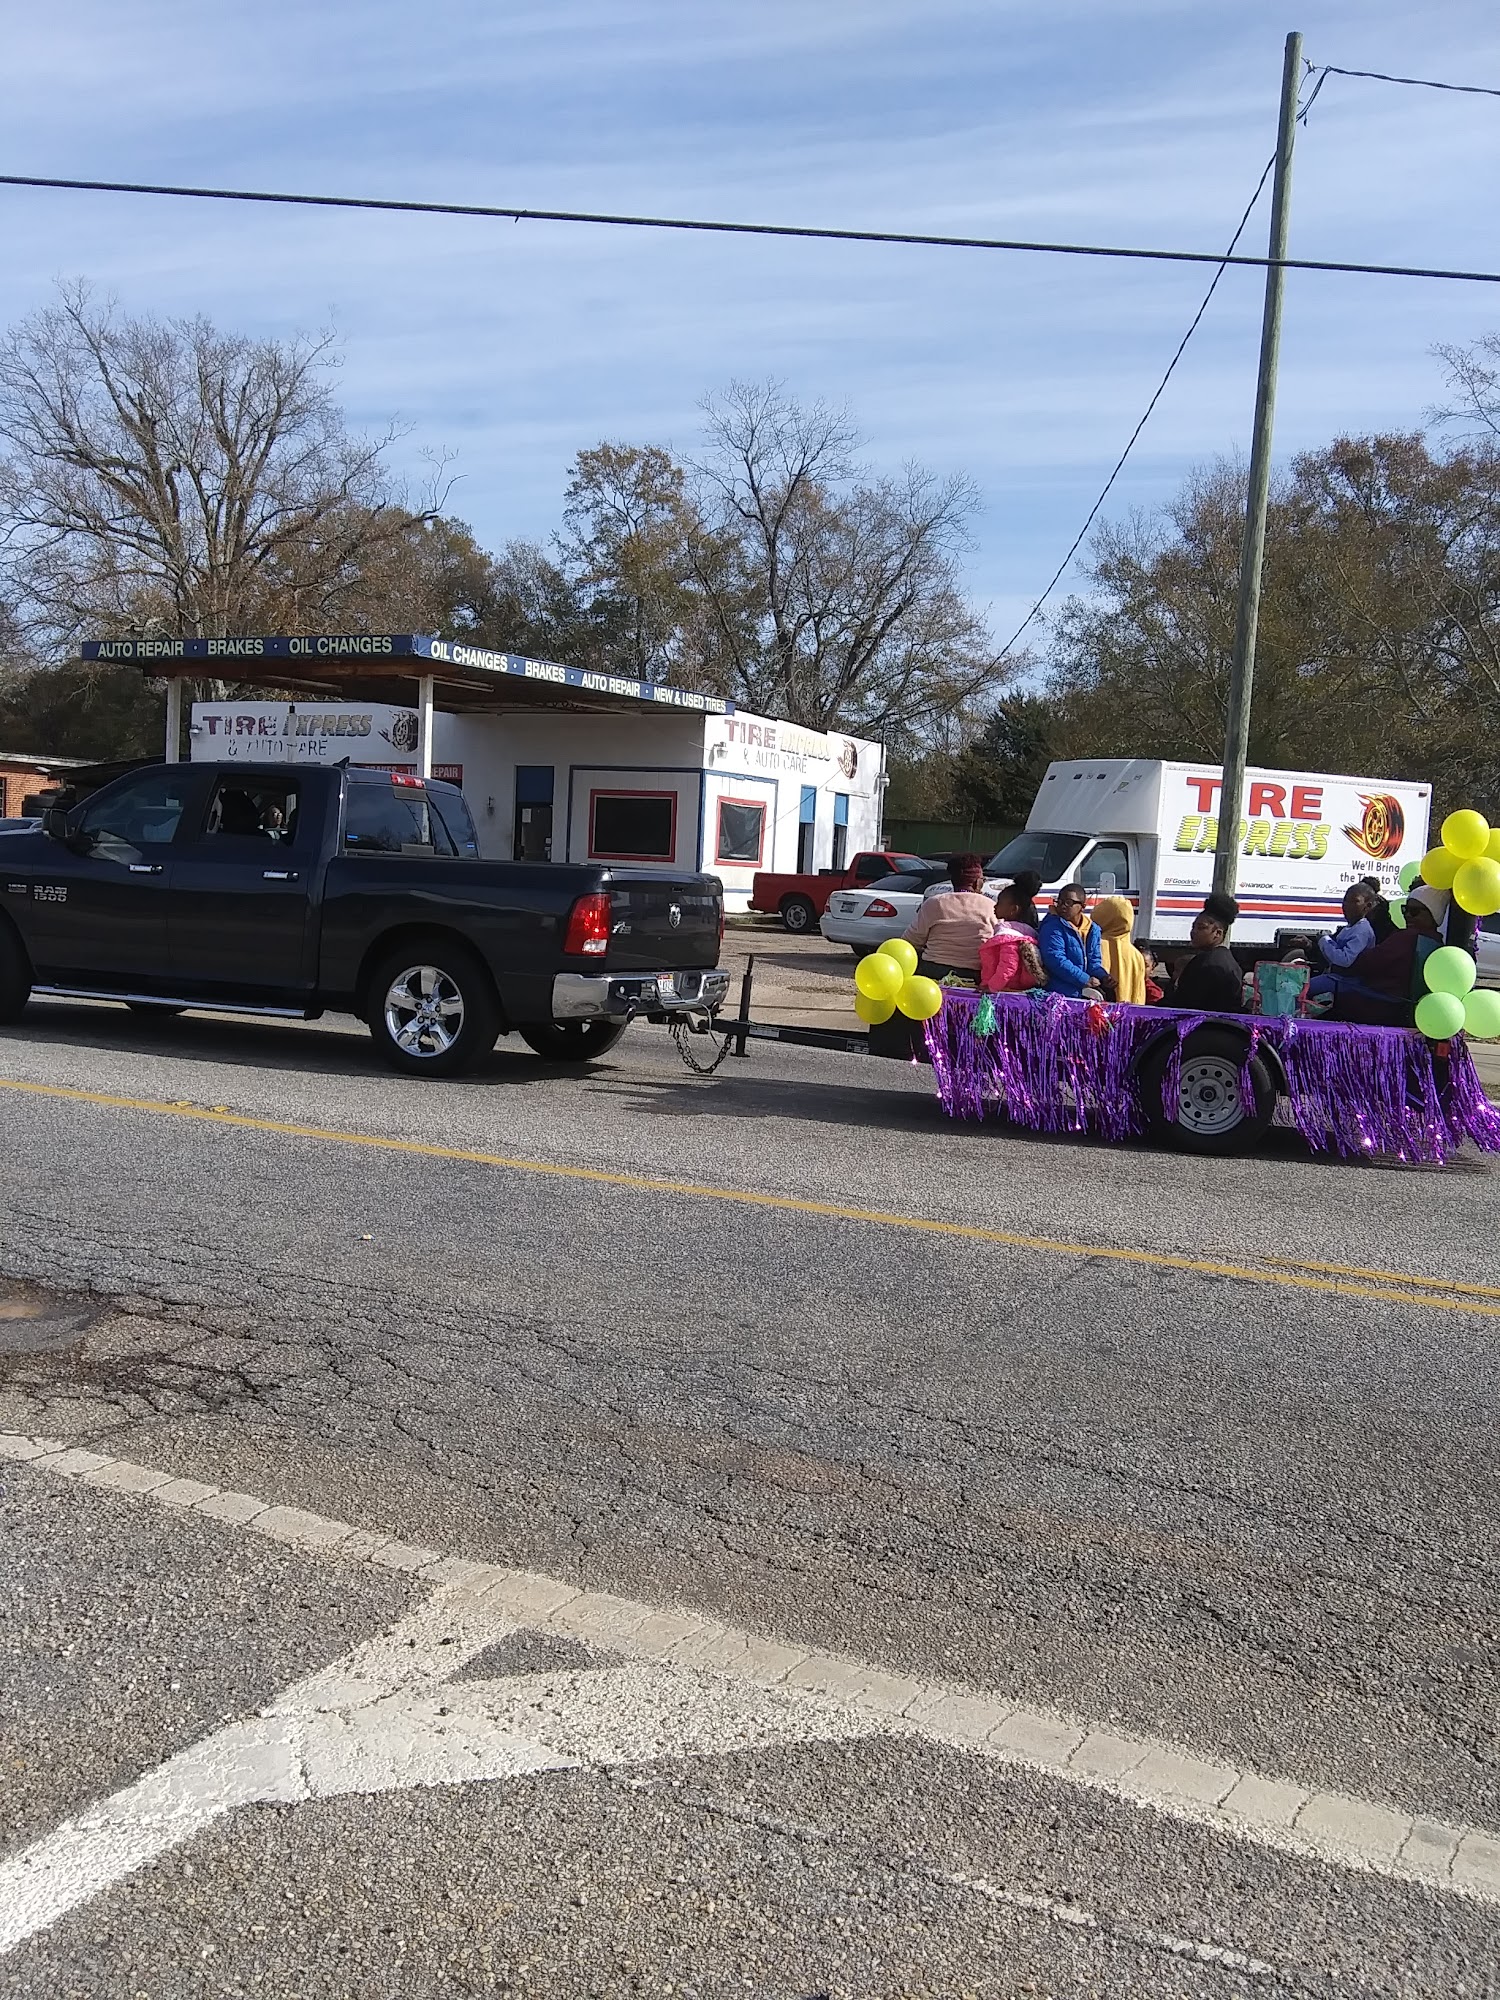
<point>1147,829</point>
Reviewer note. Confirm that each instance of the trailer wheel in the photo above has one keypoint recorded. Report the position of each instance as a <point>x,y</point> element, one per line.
<point>1211,1114</point>
<point>798,914</point>
<point>572,1041</point>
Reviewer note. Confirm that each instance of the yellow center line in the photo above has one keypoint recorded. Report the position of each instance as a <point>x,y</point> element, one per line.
<point>1384,1277</point>
<point>1294,1278</point>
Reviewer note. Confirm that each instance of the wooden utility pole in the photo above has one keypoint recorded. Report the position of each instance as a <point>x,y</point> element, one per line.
<point>1253,547</point>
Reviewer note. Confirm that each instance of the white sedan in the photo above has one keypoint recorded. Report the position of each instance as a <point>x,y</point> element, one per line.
<point>864,918</point>
<point>1489,951</point>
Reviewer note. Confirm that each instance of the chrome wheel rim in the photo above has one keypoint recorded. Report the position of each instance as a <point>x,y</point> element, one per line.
<point>424,1011</point>
<point>1209,1100</point>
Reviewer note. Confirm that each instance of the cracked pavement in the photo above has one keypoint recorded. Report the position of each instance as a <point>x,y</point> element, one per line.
<point>1254,1520</point>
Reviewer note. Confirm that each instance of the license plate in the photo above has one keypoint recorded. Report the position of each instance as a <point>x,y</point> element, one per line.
<point>666,984</point>
<point>846,904</point>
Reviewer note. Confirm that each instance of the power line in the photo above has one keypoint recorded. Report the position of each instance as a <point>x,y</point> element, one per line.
<point>778,229</point>
<point>1417,82</point>
<point>1156,396</point>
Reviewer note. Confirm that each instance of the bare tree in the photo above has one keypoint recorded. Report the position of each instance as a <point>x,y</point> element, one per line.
<point>164,476</point>
<point>831,599</point>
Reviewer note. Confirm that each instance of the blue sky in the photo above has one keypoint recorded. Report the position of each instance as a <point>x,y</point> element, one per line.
<point>511,346</point>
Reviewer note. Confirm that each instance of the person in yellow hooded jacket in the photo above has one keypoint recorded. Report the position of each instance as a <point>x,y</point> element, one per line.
<point>1125,965</point>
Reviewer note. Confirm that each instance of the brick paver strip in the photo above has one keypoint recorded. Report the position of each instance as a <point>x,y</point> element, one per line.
<point>1353,1832</point>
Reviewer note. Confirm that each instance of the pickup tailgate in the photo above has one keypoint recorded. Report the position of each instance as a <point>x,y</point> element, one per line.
<point>658,925</point>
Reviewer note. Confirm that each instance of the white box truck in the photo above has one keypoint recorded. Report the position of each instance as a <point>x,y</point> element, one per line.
<point>1138,827</point>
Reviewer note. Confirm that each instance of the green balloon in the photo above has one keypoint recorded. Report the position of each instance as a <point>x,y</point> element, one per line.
<point>1410,875</point>
<point>1449,970</point>
<point>1482,1013</point>
<point>1396,910</point>
<point>1439,1016</point>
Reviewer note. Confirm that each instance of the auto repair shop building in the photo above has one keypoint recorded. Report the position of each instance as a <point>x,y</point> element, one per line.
<point>556,763</point>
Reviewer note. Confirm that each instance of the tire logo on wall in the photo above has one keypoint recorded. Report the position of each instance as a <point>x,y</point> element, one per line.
<point>848,759</point>
<point>1383,828</point>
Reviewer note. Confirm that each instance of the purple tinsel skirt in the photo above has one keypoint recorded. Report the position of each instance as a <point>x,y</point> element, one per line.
<point>1352,1090</point>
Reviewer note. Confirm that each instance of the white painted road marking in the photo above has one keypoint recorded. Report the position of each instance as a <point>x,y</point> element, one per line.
<point>377,1712</point>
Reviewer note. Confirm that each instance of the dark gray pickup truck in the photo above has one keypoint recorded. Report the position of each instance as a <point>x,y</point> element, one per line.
<point>268,889</point>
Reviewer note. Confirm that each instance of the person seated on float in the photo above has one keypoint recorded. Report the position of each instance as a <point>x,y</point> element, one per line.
<point>948,930</point>
<point>1021,890</point>
<point>1386,979</point>
<point>1356,936</point>
<point>1009,961</point>
<point>1113,918</point>
<point>1210,982</point>
<point>1071,947</point>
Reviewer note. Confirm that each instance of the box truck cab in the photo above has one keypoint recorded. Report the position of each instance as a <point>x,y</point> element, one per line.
<point>1146,829</point>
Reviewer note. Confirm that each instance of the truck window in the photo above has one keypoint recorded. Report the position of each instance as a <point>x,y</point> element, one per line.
<point>1050,854</point>
<point>142,812</point>
<point>379,819</point>
<point>451,816</point>
<point>259,811</point>
<point>1107,870</point>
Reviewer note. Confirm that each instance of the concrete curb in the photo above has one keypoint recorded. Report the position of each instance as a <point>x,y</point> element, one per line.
<point>1274,1812</point>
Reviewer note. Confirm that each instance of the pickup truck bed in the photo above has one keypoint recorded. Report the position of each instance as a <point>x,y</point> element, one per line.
<point>268,889</point>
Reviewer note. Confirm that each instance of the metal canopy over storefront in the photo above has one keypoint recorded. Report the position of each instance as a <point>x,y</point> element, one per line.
<point>417,669</point>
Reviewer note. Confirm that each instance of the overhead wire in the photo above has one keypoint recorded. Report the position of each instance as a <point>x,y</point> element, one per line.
<point>1156,396</point>
<point>1416,82</point>
<point>705,226</point>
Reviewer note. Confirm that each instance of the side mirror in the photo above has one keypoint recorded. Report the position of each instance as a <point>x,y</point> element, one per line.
<point>55,823</point>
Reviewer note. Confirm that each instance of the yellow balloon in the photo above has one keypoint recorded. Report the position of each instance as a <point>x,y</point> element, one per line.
<point>1439,868</point>
<point>1466,834</point>
<point>878,977</point>
<point>1492,846</point>
<point>904,954</point>
<point>920,998</point>
<point>872,1012</point>
<point>1476,887</point>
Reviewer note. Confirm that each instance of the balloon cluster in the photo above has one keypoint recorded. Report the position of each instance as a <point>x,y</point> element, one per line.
<point>1467,864</point>
<point>889,979</point>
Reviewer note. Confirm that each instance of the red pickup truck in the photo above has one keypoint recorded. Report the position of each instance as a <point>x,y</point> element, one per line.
<point>799,900</point>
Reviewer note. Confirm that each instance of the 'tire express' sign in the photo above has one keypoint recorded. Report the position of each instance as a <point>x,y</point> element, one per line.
<point>302,732</point>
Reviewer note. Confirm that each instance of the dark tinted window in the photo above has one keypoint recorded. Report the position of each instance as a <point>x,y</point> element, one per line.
<point>908,885</point>
<point>451,816</point>
<point>633,826</point>
<point>1050,854</point>
<point>260,811</point>
<point>742,831</point>
<point>141,811</point>
<point>389,819</point>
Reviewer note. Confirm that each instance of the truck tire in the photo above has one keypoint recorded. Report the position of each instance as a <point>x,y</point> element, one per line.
<point>15,976</point>
<point>798,915</point>
<point>1211,1115</point>
<point>572,1041</point>
<point>431,1008</point>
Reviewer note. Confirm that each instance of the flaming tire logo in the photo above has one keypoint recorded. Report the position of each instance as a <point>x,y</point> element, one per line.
<point>1383,828</point>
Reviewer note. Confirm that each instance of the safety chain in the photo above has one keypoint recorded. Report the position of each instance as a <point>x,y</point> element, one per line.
<point>682,1035</point>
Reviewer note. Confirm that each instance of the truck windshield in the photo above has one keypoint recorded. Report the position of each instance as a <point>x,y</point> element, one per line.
<point>1051,855</point>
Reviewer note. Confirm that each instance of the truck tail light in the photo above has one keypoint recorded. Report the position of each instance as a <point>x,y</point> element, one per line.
<point>588,928</point>
<point>880,908</point>
<point>405,778</point>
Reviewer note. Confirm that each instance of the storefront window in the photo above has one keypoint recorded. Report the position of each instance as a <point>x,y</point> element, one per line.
<point>742,832</point>
<point>632,826</point>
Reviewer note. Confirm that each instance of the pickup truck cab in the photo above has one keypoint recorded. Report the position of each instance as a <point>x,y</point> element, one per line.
<point>261,889</point>
<point>799,900</point>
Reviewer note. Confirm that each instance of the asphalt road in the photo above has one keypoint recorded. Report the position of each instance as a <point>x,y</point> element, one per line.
<point>1150,1463</point>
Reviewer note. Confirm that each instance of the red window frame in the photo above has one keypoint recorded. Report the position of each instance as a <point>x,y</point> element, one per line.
<point>725,799</point>
<point>611,792</point>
